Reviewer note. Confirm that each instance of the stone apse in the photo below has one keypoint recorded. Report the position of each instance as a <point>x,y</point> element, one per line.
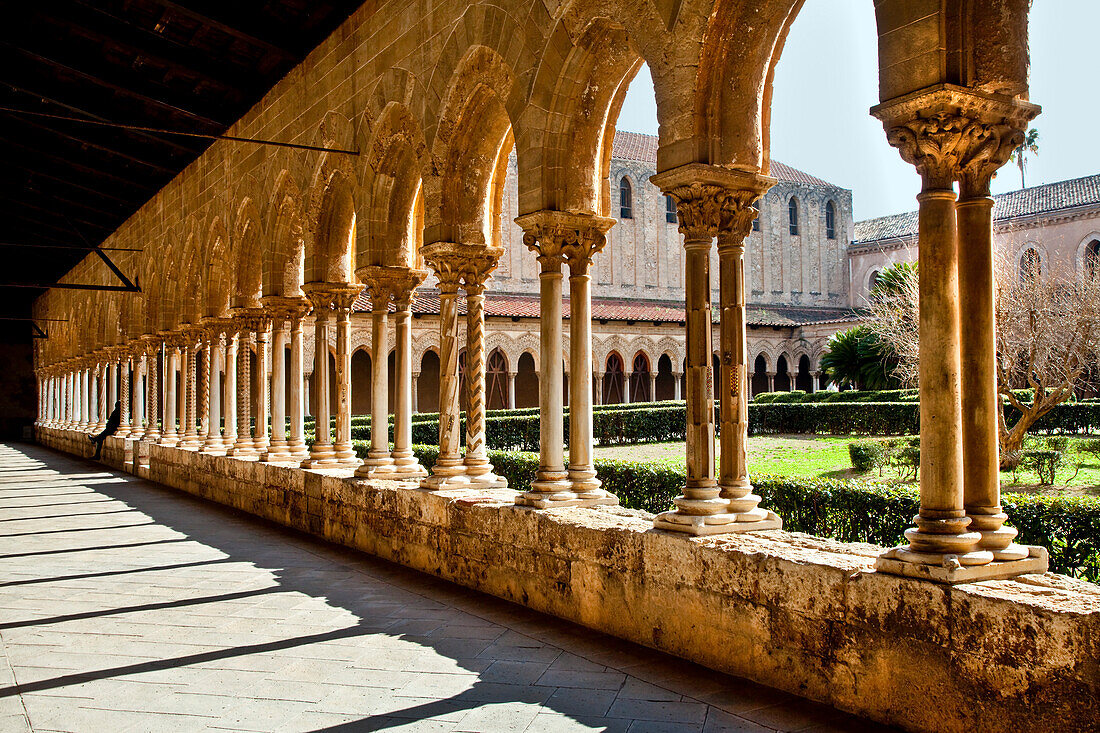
<point>414,110</point>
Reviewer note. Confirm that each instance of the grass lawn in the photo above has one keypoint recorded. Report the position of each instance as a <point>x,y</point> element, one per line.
<point>827,457</point>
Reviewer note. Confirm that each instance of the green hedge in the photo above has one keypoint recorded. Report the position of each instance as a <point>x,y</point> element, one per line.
<point>837,418</point>
<point>848,511</point>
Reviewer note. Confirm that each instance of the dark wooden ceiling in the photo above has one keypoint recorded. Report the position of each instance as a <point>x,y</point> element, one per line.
<point>189,65</point>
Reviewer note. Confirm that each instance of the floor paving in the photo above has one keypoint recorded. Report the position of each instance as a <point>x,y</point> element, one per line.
<point>126,606</point>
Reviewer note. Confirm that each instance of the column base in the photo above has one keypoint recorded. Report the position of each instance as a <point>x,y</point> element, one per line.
<point>560,499</point>
<point>989,522</point>
<point>122,432</point>
<point>190,442</point>
<point>243,449</point>
<point>448,473</point>
<point>377,464</point>
<point>952,569</point>
<point>168,440</point>
<point>217,448</point>
<point>725,523</point>
<point>406,467</point>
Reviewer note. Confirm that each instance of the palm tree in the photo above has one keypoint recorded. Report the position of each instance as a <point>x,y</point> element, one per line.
<point>856,358</point>
<point>1030,146</point>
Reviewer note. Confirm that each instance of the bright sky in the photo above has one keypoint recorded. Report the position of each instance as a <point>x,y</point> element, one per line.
<point>828,79</point>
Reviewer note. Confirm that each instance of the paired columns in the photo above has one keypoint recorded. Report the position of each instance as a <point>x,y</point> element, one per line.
<point>950,134</point>
<point>468,266</point>
<point>714,201</point>
<point>559,238</point>
<point>396,283</point>
<point>328,297</point>
<point>281,448</point>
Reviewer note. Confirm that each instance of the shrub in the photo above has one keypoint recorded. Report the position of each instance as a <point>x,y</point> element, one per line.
<point>1044,463</point>
<point>867,454</point>
<point>837,418</point>
<point>766,397</point>
<point>793,396</point>
<point>848,511</point>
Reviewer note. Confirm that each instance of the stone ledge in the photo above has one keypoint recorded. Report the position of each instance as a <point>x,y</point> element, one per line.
<point>800,613</point>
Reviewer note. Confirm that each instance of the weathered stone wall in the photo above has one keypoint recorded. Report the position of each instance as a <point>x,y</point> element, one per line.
<point>791,611</point>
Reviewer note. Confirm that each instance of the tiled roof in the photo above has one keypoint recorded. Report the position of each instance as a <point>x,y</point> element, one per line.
<point>426,302</point>
<point>1045,199</point>
<point>637,146</point>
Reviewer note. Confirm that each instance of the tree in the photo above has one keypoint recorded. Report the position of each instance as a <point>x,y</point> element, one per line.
<point>856,358</point>
<point>1030,146</point>
<point>1048,337</point>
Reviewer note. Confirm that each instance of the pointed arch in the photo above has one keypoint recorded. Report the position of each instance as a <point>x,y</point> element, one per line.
<point>248,256</point>
<point>285,258</point>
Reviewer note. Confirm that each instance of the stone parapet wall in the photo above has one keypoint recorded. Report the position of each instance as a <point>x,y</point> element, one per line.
<point>791,611</point>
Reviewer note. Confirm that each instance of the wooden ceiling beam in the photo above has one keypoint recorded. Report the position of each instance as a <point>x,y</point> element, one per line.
<point>277,48</point>
<point>84,143</point>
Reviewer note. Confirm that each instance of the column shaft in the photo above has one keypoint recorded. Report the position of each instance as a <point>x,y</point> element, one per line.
<point>169,435</point>
<point>449,469</point>
<point>260,391</point>
<point>343,449</point>
<point>229,390</point>
<point>379,462</point>
<point>582,472</point>
<point>405,464</point>
<point>478,469</point>
<point>321,452</point>
<point>296,445</point>
<point>152,395</point>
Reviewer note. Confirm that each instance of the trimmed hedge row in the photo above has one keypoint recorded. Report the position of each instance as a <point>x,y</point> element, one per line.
<point>848,511</point>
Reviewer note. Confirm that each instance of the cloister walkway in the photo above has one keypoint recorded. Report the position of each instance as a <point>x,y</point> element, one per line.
<point>125,606</point>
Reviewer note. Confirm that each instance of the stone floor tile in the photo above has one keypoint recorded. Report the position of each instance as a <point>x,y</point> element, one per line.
<point>577,701</point>
<point>505,717</point>
<point>519,673</point>
<point>585,680</point>
<point>15,724</point>
<point>691,713</point>
<point>552,723</point>
<point>719,721</point>
<point>635,689</point>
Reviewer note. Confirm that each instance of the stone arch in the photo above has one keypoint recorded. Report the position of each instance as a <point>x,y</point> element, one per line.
<point>248,256</point>
<point>396,162</point>
<point>218,271</point>
<point>470,147</point>
<point>330,216</point>
<point>191,271</point>
<point>1087,256</point>
<point>285,258</point>
<point>1031,256</point>
<point>575,103</point>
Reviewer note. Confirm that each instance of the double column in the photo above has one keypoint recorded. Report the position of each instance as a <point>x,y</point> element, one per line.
<point>386,282</point>
<point>326,299</point>
<point>952,134</point>
<point>218,331</point>
<point>153,344</point>
<point>468,266</point>
<point>283,447</point>
<point>559,238</point>
<point>714,201</point>
<point>193,336</point>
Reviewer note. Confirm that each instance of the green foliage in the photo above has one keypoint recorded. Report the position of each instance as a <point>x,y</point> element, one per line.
<point>837,418</point>
<point>792,396</point>
<point>877,453</point>
<point>858,358</point>
<point>1044,463</point>
<point>848,511</point>
<point>895,281</point>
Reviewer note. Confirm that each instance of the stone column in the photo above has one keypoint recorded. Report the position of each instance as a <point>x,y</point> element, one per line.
<point>449,470</point>
<point>379,462</point>
<point>702,194</point>
<point>598,379</point>
<point>281,309</point>
<point>189,439</point>
<point>321,453</point>
<point>771,380</point>
<point>551,486</point>
<point>343,296</point>
<point>169,435</point>
<point>84,421</point>
<point>815,382</point>
<point>590,237</point>
<point>476,271</point>
<point>400,283</point>
<point>104,407</point>
<point>652,386</point>
<point>950,134</point>
<point>152,391</point>
<point>242,446</point>
<point>511,397</point>
<point>136,394</point>
<point>112,382</point>
<point>229,388</point>
<point>627,376</point>
<point>676,389</point>
<point>415,390</point>
<point>735,224</point>
<point>260,389</point>
<point>202,397</point>
<point>296,443</point>
<point>214,442</point>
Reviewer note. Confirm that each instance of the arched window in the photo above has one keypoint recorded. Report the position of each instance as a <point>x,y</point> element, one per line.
<point>613,380</point>
<point>1092,259</point>
<point>872,281</point>
<point>792,216</point>
<point>1030,265</point>
<point>496,381</point>
<point>670,210</point>
<point>626,199</point>
<point>639,380</point>
<point>756,222</point>
<point>830,220</point>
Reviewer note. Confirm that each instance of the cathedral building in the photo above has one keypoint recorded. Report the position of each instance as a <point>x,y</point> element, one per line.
<point>796,270</point>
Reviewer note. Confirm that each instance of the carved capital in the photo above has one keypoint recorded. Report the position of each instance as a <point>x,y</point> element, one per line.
<point>285,307</point>
<point>468,264</point>
<point>332,296</point>
<point>712,199</point>
<point>387,281</point>
<point>251,320</point>
<point>562,236</point>
<point>950,133</point>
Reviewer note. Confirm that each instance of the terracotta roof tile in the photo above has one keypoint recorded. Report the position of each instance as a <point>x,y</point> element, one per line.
<point>1045,199</point>
<point>640,147</point>
<point>426,302</point>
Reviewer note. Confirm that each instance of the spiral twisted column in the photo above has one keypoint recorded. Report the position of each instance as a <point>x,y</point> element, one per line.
<point>242,446</point>
<point>479,472</point>
<point>153,346</point>
<point>229,388</point>
<point>103,410</point>
<point>449,470</point>
<point>949,135</point>
<point>203,396</point>
<point>189,437</point>
<point>261,388</point>
<point>134,396</point>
